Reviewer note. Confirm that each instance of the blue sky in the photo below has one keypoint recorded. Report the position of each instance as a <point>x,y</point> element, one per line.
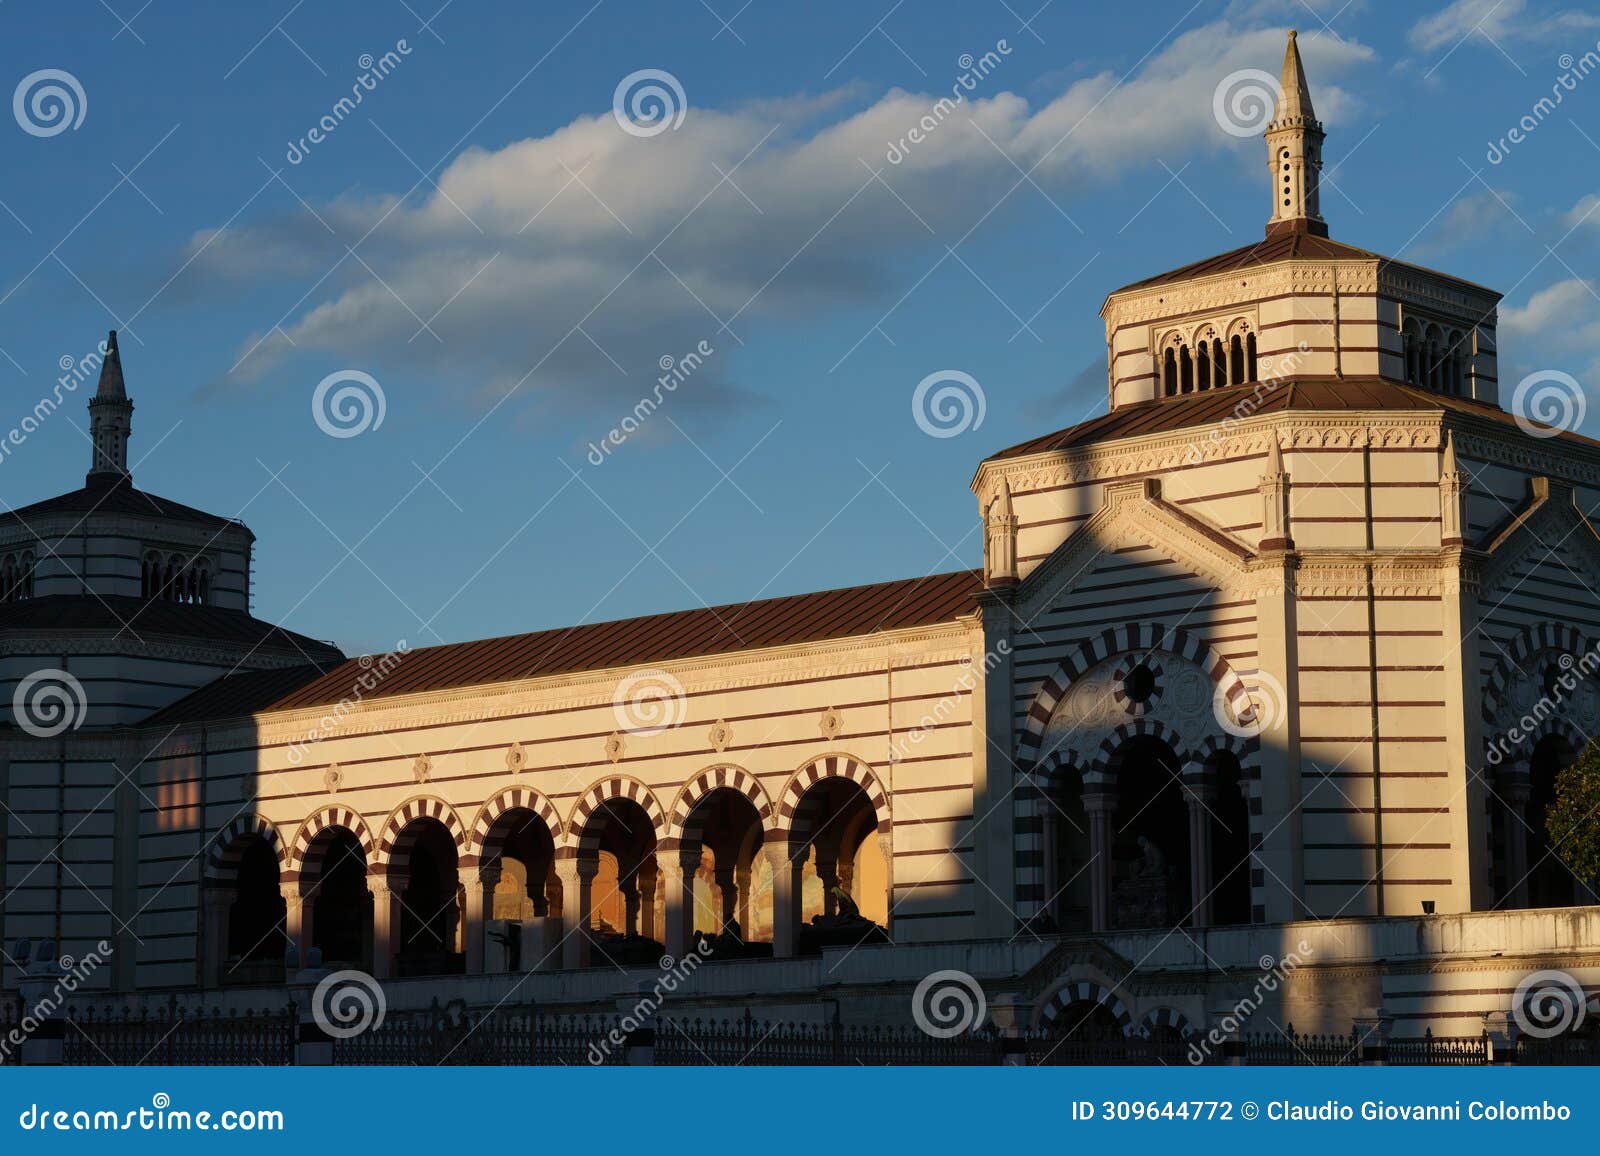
<point>485,186</point>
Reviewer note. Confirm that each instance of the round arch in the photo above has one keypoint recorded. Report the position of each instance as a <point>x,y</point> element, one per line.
<point>1129,731</point>
<point>1541,636</point>
<point>577,830</point>
<point>723,776</point>
<point>834,766</point>
<point>1134,636</point>
<point>1157,1019</point>
<point>399,832</point>
<point>228,847</point>
<point>328,817</point>
<point>510,799</point>
<point>1061,996</point>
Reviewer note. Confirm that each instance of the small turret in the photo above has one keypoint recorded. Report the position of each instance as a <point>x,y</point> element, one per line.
<point>110,418</point>
<point>1294,153</point>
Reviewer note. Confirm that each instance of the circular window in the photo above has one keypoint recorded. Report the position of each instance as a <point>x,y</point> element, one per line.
<point>1139,683</point>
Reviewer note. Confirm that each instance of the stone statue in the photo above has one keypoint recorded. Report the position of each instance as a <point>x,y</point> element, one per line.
<point>1153,861</point>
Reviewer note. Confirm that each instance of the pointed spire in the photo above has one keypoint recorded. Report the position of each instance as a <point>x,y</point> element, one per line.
<point>1002,505</point>
<point>1274,458</point>
<point>1294,153</point>
<point>110,417</point>
<point>1449,466</point>
<point>1294,97</point>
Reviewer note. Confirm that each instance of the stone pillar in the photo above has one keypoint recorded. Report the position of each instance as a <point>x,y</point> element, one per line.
<point>1099,803</point>
<point>649,889</point>
<point>477,886</point>
<point>385,924</point>
<point>1516,786</point>
<point>1200,792</point>
<point>1010,1013</point>
<point>886,849</point>
<point>217,901</point>
<point>728,892</point>
<point>577,878</point>
<point>678,874</point>
<point>296,924</point>
<point>741,880</point>
<point>785,898</point>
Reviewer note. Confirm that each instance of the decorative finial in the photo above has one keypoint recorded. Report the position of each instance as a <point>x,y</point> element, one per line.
<point>110,417</point>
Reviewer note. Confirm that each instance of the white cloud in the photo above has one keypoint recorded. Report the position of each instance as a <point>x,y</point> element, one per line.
<point>1585,214</point>
<point>580,258</point>
<point>1558,328</point>
<point>1499,20</point>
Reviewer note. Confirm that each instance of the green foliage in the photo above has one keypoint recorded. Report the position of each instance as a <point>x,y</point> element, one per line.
<point>1573,818</point>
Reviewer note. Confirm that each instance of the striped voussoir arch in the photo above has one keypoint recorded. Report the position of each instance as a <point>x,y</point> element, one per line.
<point>1542,636</point>
<point>1165,1017</point>
<point>402,829</point>
<point>685,825</point>
<point>835,767</point>
<point>1083,991</point>
<point>228,847</point>
<point>486,842</point>
<point>1031,806</point>
<point>331,817</point>
<point>587,835</point>
<point>1141,637</point>
<point>1138,728</point>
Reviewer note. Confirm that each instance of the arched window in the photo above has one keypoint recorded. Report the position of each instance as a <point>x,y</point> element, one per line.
<point>1185,371</point>
<point>1236,360</point>
<point>16,576</point>
<point>1169,372</point>
<point>1250,357</point>
<point>1433,359</point>
<point>1219,363</point>
<point>1203,366</point>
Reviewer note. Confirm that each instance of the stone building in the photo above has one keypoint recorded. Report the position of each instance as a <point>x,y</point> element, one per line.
<point>1277,658</point>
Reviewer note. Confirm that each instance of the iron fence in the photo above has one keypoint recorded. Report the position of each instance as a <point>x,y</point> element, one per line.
<point>171,1034</point>
<point>515,1034</point>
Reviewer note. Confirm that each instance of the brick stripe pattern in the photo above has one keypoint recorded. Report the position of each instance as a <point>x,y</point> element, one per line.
<point>1165,1017</point>
<point>332,817</point>
<point>230,844</point>
<point>586,835</point>
<point>1032,802</point>
<point>407,823</point>
<point>488,843</point>
<point>686,826</point>
<point>1084,992</point>
<point>831,767</point>
<point>1543,636</point>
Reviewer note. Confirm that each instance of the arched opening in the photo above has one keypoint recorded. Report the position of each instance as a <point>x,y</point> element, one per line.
<point>519,861</point>
<point>839,905</point>
<point>1550,882</point>
<point>257,938</point>
<point>1185,371</point>
<point>1087,1021</point>
<point>423,875</point>
<point>1169,372</point>
<point>1151,842</point>
<point>1236,360</point>
<point>1250,357</point>
<point>1067,882</point>
<point>1203,364</point>
<point>723,833</point>
<point>1230,841</point>
<point>336,900</point>
<point>617,867</point>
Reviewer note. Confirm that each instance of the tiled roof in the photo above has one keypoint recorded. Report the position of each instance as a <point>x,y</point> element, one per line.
<point>1167,414</point>
<point>116,495</point>
<point>853,612</point>
<point>138,618</point>
<point>1286,246</point>
<point>236,696</point>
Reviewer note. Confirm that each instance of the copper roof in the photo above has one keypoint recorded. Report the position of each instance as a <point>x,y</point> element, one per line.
<point>1167,414</point>
<point>115,494</point>
<point>831,614</point>
<point>140,619</point>
<point>1282,246</point>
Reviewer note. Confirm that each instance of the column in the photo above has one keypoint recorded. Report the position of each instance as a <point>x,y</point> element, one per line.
<point>1099,803</point>
<point>576,880</point>
<point>649,887</point>
<point>1516,786</point>
<point>217,901</point>
<point>385,923</point>
<point>1200,792</point>
<point>886,849</point>
<point>296,924</point>
<point>478,894</point>
<point>728,892</point>
<point>677,873</point>
<point>785,897</point>
<point>741,880</point>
